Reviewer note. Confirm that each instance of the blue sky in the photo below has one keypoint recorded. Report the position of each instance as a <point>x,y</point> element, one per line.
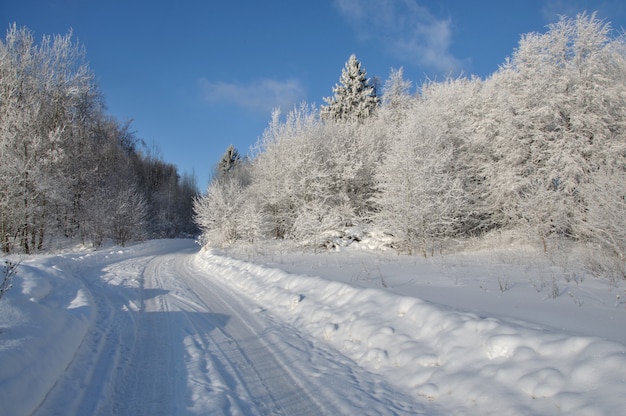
<point>196,76</point>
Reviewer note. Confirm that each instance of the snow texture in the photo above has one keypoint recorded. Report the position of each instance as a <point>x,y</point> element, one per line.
<point>163,328</point>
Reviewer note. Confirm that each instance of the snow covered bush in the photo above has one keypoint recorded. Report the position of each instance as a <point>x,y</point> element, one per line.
<point>224,215</point>
<point>604,223</point>
<point>8,269</point>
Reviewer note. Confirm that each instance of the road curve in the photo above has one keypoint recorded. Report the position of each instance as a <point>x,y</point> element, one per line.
<point>171,339</point>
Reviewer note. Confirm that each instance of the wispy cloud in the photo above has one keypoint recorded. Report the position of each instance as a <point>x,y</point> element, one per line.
<point>260,96</point>
<point>405,29</point>
<point>552,9</point>
<point>607,9</point>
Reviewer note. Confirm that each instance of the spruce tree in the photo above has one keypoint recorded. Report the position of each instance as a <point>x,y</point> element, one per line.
<point>354,97</point>
<point>228,162</point>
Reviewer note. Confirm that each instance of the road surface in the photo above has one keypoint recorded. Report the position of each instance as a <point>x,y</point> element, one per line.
<point>168,338</point>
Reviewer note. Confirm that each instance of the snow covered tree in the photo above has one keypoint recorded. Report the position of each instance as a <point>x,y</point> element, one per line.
<point>228,162</point>
<point>354,97</point>
<point>43,88</point>
<point>557,117</point>
<point>127,214</point>
<point>62,160</point>
<point>396,91</point>
<point>424,196</point>
<point>604,221</point>
<point>352,151</point>
<point>281,171</point>
<point>225,214</point>
<point>295,177</point>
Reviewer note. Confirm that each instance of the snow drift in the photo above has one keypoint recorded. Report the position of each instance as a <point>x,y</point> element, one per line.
<point>462,361</point>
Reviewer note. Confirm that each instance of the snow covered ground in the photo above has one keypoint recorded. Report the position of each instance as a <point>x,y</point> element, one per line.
<point>165,328</point>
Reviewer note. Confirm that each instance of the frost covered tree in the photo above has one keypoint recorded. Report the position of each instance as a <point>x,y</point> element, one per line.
<point>424,197</point>
<point>396,91</point>
<point>62,159</point>
<point>354,97</point>
<point>228,162</point>
<point>96,184</point>
<point>537,149</point>
<point>127,215</point>
<point>43,87</point>
<point>557,115</point>
<point>225,214</point>
<point>287,169</point>
<point>353,150</point>
<point>604,221</point>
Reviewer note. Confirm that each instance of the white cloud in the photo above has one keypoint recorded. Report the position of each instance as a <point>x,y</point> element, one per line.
<point>261,96</point>
<point>405,29</point>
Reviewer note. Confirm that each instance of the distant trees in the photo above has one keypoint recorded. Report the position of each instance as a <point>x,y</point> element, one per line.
<point>222,214</point>
<point>538,148</point>
<point>66,168</point>
<point>225,213</point>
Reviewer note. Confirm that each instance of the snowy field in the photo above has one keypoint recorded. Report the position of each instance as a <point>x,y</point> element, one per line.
<point>166,328</point>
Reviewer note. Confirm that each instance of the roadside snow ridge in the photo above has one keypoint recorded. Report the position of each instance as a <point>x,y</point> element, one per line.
<point>459,360</point>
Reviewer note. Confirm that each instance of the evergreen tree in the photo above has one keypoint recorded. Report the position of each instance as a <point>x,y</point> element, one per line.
<point>354,97</point>
<point>228,162</point>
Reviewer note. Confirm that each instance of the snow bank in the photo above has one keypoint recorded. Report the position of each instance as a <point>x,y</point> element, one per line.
<point>462,361</point>
<point>43,320</point>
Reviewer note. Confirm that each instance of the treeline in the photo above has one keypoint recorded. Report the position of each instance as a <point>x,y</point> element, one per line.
<point>66,168</point>
<point>537,149</point>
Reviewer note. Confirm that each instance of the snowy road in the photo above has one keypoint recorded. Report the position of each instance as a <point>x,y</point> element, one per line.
<point>169,339</point>
<point>161,328</point>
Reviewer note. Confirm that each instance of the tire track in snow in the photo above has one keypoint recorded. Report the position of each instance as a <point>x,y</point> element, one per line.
<point>228,367</point>
<point>279,352</point>
<point>87,385</point>
<point>149,383</point>
<point>169,338</point>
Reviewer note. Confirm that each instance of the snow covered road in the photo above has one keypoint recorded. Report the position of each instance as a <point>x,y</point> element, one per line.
<point>161,328</point>
<point>166,338</point>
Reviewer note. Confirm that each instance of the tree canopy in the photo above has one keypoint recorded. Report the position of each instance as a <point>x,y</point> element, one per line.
<point>538,150</point>
<point>66,168</point>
